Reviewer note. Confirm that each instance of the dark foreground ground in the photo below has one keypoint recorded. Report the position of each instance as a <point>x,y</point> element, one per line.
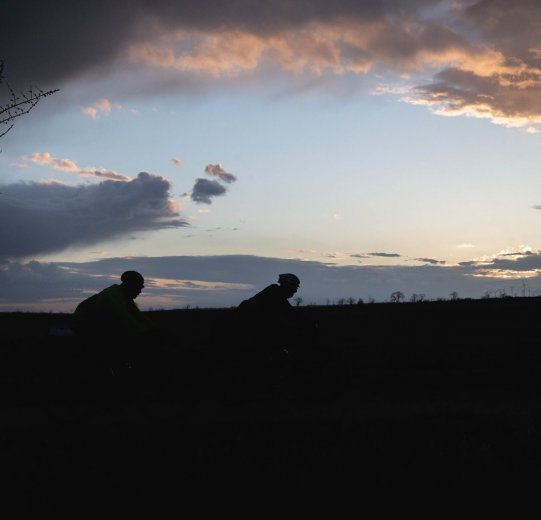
<point>432,394</point>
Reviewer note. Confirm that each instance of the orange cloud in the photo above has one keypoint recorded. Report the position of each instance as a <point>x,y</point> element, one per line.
<point>470,77</point>
<point>101,107</point>
<point>67,165</point>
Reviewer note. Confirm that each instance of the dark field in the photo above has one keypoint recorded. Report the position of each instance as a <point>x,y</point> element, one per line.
<point>433,393</point>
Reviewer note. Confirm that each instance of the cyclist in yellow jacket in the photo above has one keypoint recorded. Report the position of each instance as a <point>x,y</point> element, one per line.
<point>110,322</point>
<point>113,310</point>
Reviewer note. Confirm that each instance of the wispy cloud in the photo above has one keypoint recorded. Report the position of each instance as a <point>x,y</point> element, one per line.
<point>431,261</point>
<point>102,107</point>
<point>216,170</point>
<point>67,165</point>
<point>385,255</point>
<point>516,254</point>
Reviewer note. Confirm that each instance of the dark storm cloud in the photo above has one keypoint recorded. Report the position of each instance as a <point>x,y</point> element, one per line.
<point>224,281</point>
<point>485,54</point>
<point>50,216</point>
<point>48,42</point>
<point>513,23</point>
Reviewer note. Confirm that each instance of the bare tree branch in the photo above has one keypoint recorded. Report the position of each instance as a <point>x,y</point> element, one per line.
<point>20,103</point>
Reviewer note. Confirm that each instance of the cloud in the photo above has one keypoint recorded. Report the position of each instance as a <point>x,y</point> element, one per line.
<point>51,216</point>
<point>224,281</point>
<point>476,58</point>
<point>37,282</point>
<point>517,253</point>
<point>498,77</point>
<point>431,261</point>
<point>204,190</point>
<point>386,255</point>
<point>504,97</point>
<point>216,170</point>
<point>337,255</point>
<point>90,111</point>
<point>101,107</point>
<point>67,165</point>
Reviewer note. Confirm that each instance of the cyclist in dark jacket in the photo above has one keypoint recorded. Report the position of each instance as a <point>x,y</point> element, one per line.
<point>274,298</point>
<point>268,324</point>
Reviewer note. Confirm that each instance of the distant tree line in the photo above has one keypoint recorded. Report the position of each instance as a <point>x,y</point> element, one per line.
<point>400,297</point>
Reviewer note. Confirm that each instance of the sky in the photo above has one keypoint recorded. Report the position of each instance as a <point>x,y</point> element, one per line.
<point>366,146</point>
